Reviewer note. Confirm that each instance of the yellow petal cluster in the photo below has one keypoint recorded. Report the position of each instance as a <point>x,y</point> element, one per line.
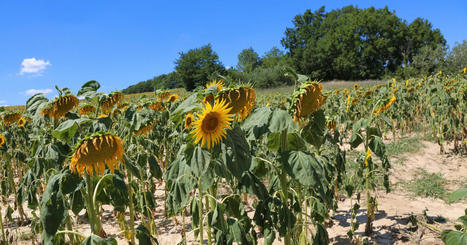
<point>61,106</point>
<point>240,100</point>
<point>309,101</point>
<point>173,98</point>
<point>144,130</point>
<point>219,85</point>
<point>112,100</point>
<point>368,155</point>
<point>386,106</point>
<point>21,122</point>
<point>87,109</point>
<point>95,154</point>
<point>211,126</point>
<point>11,118</point>
<point>189,120</point>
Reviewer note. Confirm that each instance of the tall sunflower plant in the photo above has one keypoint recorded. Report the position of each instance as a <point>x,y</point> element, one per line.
<point>293,149</point>
<point>214,155</point>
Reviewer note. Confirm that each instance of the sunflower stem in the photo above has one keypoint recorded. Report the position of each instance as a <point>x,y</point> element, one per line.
<point>132,211</point>
<point>284,184</point>
<point>208,226</point>
<point>201,216</point>
<point>1,226</point>
<point>96,227</point>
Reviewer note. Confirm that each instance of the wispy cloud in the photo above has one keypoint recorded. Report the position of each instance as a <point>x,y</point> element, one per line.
<point>33,66</point>
<point>33,91</point>
<point>3,103</point>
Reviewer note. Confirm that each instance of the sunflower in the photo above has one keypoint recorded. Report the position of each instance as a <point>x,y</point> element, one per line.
<point>95,153</point>
<point>156,106</point>
<point>11,118</point>
<point>241,100</point>
<point>21,122</point>
<point>308,99</point>
<point>348,104</point>
<point>163,95</point>
<point>144,130</point>
<point>346,92</point>
<point>2,140</point>
<point>172,98</point>
<point>368,155</point>
<point>189,120</point>
<point>354,101</point>
<point>212,123</point>
<point>62,105</point>
<point>356,86</point>
<point>113,99</point>
<point>386,106</point>
<point>87,109</point>
<point>331,124</point>
<point>219,85</point>
<point>103,116</point>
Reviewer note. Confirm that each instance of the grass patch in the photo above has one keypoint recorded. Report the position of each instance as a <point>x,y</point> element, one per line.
<point>426,184</point>
<point>404,145</point>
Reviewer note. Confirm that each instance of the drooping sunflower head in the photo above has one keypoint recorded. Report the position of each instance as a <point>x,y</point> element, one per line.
<point>112,99</point>
<point>2,140</point>
<point>96,153</point>
<point>172,98</point>
<point>189,120</point>
<point>241,100</point>
<point>210,128</point>
<point>62,105</point>
<point>21,122</point>
<point>87,109</point>
<point>11,117</point>
<point>219,85</point>
<point>385,106</point>
<point>163,95</point>
<point>307,99</point>
<point>331,124</point>
<point>354,101</point>
<point>157,106</point>
<point>144,130</point>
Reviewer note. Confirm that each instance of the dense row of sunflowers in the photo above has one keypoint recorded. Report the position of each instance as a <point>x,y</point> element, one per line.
<point>282,155</point>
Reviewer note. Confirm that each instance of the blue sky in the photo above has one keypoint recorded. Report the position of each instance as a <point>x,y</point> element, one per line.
<point>118,43</point>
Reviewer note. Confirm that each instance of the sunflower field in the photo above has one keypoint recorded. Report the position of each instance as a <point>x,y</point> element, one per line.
<point>227,164</point>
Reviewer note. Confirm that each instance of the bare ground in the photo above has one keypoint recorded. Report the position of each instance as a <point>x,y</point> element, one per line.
<point>391,225</point>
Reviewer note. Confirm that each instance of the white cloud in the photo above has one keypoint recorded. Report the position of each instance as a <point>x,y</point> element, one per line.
<point>3,103</point>
<point>33,66</point>
<point>33,91</point>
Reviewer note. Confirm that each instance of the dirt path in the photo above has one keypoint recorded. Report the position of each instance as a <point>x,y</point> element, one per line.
<point>392,224</point>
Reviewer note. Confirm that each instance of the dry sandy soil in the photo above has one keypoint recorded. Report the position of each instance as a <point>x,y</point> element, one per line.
<point>391,226</point>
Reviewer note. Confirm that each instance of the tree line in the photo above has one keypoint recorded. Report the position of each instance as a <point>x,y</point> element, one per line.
<point>345,44</point>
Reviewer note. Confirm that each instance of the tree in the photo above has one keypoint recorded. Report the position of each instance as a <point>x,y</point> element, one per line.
<point>429,60</point>
<point>275,57</point>
<point>457,57</point>
<point>248,60</point>
<point>197,66</point>
<point>352,43</point>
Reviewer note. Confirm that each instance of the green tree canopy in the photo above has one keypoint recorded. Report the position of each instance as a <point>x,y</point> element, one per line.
<point>457,57</point>
<point>197,66</point>
<point>352,43</point>
<point>248,60</point>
